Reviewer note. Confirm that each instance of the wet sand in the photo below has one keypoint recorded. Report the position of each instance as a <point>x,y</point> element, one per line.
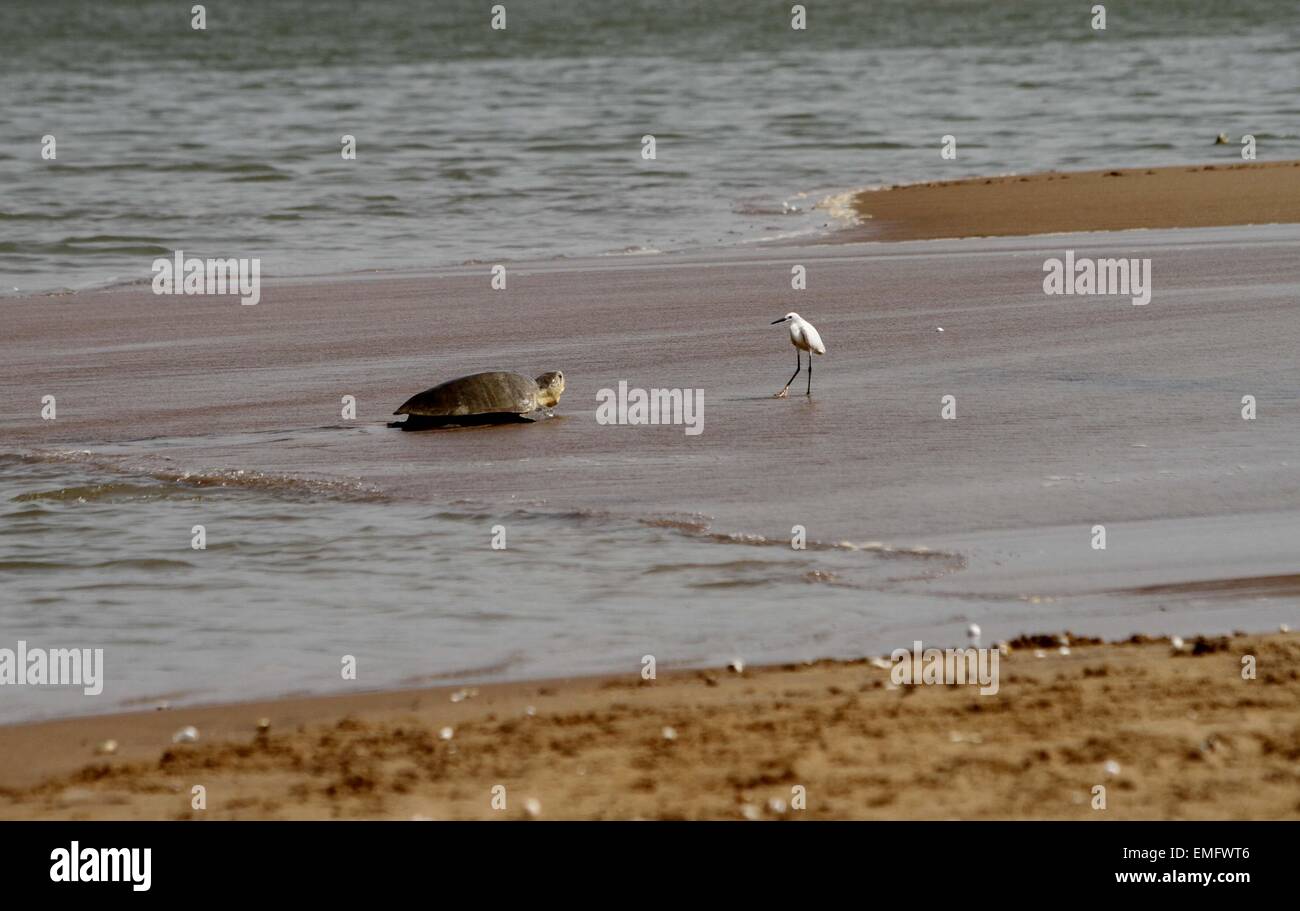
<point>1185,196</point>
<point>1169,734</point>
<point>1070,411</point>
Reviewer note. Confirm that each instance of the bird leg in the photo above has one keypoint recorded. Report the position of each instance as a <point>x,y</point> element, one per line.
<point>810,356</point>
<point>798,365</point>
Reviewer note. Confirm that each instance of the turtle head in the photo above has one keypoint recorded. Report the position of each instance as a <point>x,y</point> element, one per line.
<point>550,386</point>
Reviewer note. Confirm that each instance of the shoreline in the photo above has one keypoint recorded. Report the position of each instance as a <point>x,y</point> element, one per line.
<point>1071,415</point>
<point>1037,203</point>
<point>1172,732</point>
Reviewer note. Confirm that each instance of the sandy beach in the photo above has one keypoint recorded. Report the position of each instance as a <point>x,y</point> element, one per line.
<point>1071,412</point>
<point>1168,733</point>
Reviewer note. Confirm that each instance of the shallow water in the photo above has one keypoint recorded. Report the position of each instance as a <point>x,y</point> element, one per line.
<point>294,577</point>
<point>482,145</point>
<point>296,574</point>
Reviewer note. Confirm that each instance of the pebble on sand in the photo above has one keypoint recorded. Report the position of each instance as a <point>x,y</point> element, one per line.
<point>187,734</point>
<point>107,748</point>
<point>446,733</point>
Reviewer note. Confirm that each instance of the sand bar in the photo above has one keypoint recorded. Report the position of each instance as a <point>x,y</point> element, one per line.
<point>1184,196</point>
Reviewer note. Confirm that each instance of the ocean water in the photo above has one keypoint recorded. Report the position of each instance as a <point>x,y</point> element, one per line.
<point>483,145</point>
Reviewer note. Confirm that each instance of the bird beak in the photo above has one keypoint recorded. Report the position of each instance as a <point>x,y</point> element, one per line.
<point>781,320</point>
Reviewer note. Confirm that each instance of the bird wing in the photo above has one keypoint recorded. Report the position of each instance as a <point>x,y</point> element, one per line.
<point>814,340</point>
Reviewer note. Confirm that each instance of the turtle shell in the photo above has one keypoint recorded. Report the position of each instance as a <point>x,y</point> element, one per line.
<point>495,392</point>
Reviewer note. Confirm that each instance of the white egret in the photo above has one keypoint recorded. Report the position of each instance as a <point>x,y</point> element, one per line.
<point>804,338</point>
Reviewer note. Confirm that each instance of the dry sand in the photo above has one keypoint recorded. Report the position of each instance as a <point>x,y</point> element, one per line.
<point>1185,196</point>
<point>1189,736</point>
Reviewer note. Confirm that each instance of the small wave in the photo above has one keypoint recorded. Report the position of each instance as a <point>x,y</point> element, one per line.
<point>11,565</point>
<point>697,526</point>
<point>42,217</point>
<point>261,178</point>
<point>143,563</point>
<point>840,206</point>
<point>98,246</point>
<point>110,284</point>
<point>93,493</point>
<point>633,250</point>
<point>765,209</point>
<point>730,584</point>
<point>273,483</point>
<point>686,567</point>
<point>495,669</point>
<point>187,482</point>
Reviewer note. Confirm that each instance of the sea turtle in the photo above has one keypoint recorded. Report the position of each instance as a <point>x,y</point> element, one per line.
<point>496,397</point>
